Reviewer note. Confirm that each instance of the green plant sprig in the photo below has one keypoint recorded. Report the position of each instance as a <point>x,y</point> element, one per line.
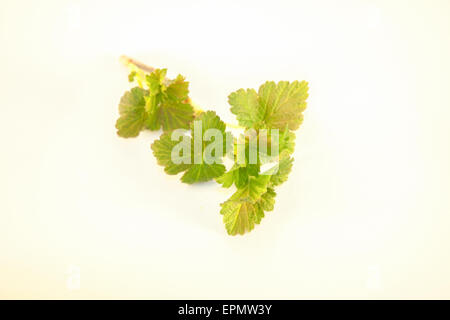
<point>160,103</point>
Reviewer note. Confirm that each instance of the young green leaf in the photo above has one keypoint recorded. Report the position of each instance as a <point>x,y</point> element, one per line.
<point>239,216</point>
<point>265,203</point>
<point>280,172</point>
<point>175,115</point>
<point>132,113</point>
<point>246,206</point>
<point>162,150</point>
<point>194,172</point>
<point>155,81</point>
<point>286,141</point>
<point>267,200</point>
<point>238,175</point>
<point>132,76</point>
<point>274,106</point>
<point>162,105</point>
<point>178,89</point>
<point>245,105</point>
<point>167,105</point>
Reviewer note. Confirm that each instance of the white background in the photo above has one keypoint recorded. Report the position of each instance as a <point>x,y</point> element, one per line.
<point>364,214</point>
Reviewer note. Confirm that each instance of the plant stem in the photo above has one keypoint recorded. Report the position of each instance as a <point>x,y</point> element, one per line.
<point>127,61</point>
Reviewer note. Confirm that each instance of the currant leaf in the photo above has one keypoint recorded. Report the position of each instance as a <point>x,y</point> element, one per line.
<point>132,113</point>
<point>238,175</point>
<point>239,216</point>
<point>164,104</point>
<point>274,106</point>
<point>167,107</point>
<point>162,149</point>
<point>194,172</point>
<point>246,206</point>
<point>279,173</point>
<point>178,89</point>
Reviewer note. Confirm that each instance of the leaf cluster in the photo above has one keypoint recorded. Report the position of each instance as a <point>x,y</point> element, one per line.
<point>158,103</point>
